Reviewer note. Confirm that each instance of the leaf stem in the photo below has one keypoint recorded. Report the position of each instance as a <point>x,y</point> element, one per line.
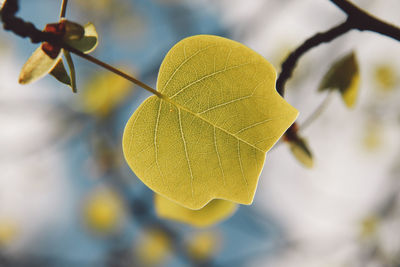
<point>317,112</point>
<point>63,8</point>
<point>114,70</point>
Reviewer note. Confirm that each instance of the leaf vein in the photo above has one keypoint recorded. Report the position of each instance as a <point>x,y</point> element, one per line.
<point>155,142</point>
<point>253,125</point>
<point>241,169</point>
<point>186,152</point>
<point>219,158</point>
<point>232,101</point>
<point>207,76</point>
<point>183,63</point>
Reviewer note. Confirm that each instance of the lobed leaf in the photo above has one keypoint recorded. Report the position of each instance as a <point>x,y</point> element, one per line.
<point>214,212</point>
<point>38,65</point>
<point>207,135</point>
<point>343,76</point>
<point>88,42</point>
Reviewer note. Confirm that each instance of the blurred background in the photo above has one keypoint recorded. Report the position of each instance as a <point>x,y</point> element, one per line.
<point>67,197</point>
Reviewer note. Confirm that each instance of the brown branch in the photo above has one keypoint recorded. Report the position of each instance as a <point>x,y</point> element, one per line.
<point>290,62</point>
<point>63,8</point>
<point>357,19</point>
<point>22,28</point>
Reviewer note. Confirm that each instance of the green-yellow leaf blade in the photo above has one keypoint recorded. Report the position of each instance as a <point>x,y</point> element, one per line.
<point>301,152</point>
<point>214,212</point>
<point>207,136</point>
<point>343,76</point>
<point>88,42</point>
<point>73,31</point>
<point>60,73</point>
<point>38,65</point>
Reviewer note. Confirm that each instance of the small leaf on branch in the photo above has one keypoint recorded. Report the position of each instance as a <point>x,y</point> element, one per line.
<point>60,73</point>
<point>302,152</point>
<point>205,137</point>
<point>38,65</point>
<point>71,67</point>
<point>298,146</point>
<point>88,42</point>
<point>73,31</point>
<point>214,212</point>
<point>343,76</point>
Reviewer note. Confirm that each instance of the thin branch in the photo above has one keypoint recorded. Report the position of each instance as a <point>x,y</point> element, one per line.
<point>356,19</point>
<point>63,8</point>
<point>20,27</point>
<point>114,70</point>
<point>317,112</point>
<point>364,21</point>
<point>290,62</point>
<point>27,29</point>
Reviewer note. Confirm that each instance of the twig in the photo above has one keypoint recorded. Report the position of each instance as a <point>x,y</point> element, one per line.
<point>363,21</point>
<point>356,19</point>
<point>22,28</point>
<point>317,112</point>
<point>63,8</point>
<point>290,62</point>
<point>114,70</point>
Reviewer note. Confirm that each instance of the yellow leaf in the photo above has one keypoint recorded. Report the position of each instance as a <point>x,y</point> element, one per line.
<point>38,65</point>
<point>343,76</point>
<point>88,42</point>
<point>153,247</point>
<point>207,136</point>
<point>301,152</point>
<point>214,212</point>
<point>202,246</point>
<point>103,211</point>
<point>104,92</point>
